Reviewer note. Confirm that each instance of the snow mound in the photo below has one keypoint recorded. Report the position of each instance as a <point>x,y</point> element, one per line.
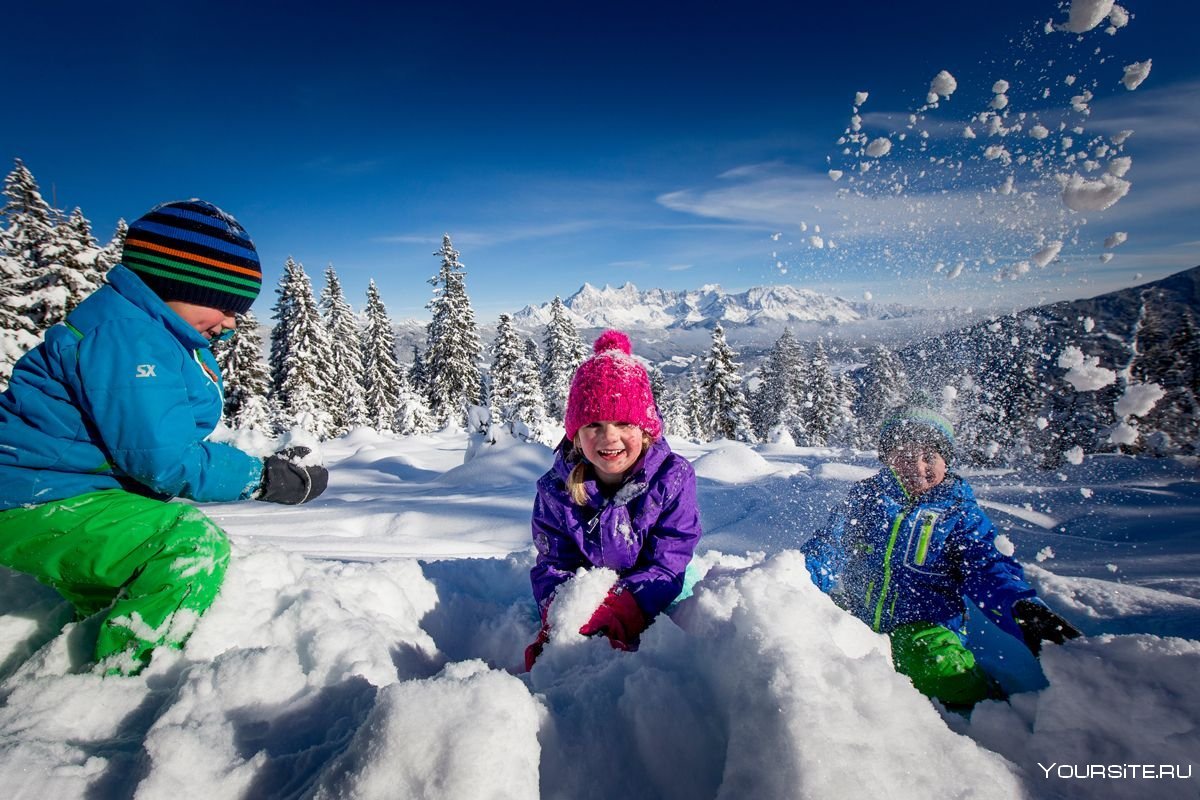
<point>733,462</point>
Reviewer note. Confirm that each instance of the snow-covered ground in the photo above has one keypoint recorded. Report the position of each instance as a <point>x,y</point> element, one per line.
<point>368,645</point>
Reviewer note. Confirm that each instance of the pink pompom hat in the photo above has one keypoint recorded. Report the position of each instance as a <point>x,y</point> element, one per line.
<point>612,386</point>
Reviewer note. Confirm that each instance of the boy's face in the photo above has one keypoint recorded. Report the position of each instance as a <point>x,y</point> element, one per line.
<point>918,467</point>
<point>210,322</point>
<point>611,448</point>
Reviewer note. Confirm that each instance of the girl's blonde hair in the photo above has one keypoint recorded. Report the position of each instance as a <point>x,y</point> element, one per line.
<point>579,473</point>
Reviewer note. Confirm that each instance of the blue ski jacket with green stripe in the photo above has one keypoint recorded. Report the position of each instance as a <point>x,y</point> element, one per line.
<point>120,396</point>
<point>891,559</point>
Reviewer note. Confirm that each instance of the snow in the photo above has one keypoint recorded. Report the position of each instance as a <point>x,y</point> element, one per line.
<point>942,85</point>
<point>1135,73</point>
<point>879,147</point>
<point>1116,238</point>
<point>1084,372</point>
<point>1138,399</point>
<point>1086,14</point>
<point>1047,254</point>
<point>1082,194</point>
<point>369,645</point>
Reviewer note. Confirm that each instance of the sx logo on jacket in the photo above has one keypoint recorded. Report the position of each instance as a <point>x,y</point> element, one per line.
<point>145,371</point>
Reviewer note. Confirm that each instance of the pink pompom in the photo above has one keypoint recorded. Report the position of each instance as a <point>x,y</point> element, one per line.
<point>613,340</point>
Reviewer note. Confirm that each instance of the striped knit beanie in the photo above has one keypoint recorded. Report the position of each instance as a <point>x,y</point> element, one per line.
<point>193,251</point>
<point>917,425</point>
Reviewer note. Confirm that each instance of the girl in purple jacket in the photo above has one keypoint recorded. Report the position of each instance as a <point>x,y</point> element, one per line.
<point>616,497</point>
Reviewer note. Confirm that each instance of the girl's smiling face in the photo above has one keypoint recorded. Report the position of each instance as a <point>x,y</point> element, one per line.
<point>612,448</point>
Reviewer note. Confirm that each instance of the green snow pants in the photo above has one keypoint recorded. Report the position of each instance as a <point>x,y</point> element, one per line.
<point>938,664</point>
<point>155,566</point>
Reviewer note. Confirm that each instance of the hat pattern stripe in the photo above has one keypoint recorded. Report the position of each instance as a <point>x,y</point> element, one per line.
<point>192,278</point>
<point>191,217</point>
<point>139,244</point>
<point>136,262</point>
<point>219,245</point>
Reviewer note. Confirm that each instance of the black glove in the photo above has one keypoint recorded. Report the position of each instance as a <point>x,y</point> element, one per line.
<point>1039,624</point>
<point>285,481</point>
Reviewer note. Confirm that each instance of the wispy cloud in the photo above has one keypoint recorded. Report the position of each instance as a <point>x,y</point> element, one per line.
<point>679,267</point>
<point>494,236</point>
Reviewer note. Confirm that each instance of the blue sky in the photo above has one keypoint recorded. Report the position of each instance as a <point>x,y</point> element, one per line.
<point>667,144</point>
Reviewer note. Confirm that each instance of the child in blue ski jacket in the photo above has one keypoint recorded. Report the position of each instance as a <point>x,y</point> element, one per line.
<point>108,418</point>
<point>905,547</point>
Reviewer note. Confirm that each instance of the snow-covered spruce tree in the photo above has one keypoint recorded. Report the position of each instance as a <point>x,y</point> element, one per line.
<point>380,368</point>
<point>777,403</point>
<point>564,351</point>
<point>110,254</point>
<point>885,387</point>
<point>507,350</point>
<point>673,408</point>
<point>845,428</point>
<point>724,402</point>
<point>822,402</point>
<point>30,240</point>
<point>453,347</point>
<point>1169,355</point>
<point>998,422</point>
<point>658,384</point>
<point>300,356</point>
<point>18,334</point>
<point>529,419</point>
<point>417,378</point>
<point>695,423</point>
<point>82,261</point>
<point>345,364</point>
<point>247,382</point>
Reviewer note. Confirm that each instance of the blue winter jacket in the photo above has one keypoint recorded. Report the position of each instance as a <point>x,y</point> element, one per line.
<point>646,532</point>
<point>120,396</point>
<point>891,559</point>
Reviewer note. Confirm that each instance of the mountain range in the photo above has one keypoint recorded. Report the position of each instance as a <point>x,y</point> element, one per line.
<point>628,307</point>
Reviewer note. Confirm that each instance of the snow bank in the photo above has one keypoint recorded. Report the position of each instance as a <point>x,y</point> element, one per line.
<point>391,676</point>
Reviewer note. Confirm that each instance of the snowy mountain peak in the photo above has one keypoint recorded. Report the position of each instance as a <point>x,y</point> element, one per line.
<point>628,307</point>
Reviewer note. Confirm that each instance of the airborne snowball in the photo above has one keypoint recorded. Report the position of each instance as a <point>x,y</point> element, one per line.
<point>1139,399</point>
<point>1086,14</point>
<point>880,147</point>
<point>943,85</point>
<point>1114,239</point>
<point>1135,73</point>
<point>1084,372</point>
<point>1047,254</point>
<point>1081,194</point>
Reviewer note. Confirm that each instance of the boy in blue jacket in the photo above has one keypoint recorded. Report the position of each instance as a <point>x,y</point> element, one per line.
<point>905,547</point>
<point>107,419</point>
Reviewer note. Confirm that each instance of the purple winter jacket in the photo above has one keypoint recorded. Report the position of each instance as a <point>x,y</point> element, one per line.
<point>646,532</point>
